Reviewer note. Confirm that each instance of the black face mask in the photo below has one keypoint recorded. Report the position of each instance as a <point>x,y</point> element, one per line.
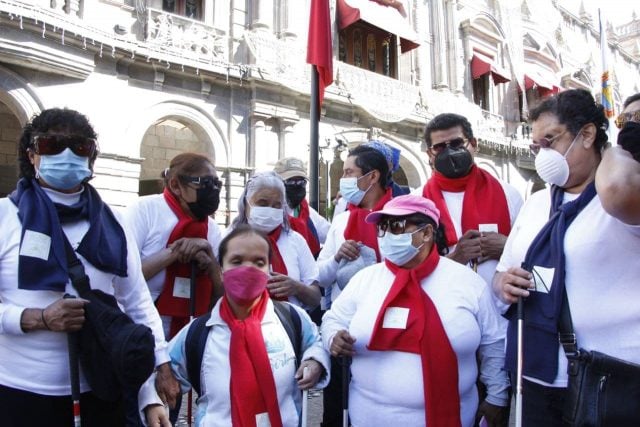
<point>629,139</point>
<point>207,201</point>
<point>295,194</point>
<point>454,163</point>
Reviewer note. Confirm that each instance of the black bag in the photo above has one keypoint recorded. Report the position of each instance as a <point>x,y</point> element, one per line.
<point>115,352</point>
<point>603,391</point>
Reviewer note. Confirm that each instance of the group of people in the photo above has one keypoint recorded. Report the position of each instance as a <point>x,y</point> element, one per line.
<point>413,293</point>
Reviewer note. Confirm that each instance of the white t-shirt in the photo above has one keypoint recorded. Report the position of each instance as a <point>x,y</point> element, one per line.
<point>38,361</point>
<point>327,265</point>
<point>151,221</point>
<point>386,387</point>
<point>601,276</point>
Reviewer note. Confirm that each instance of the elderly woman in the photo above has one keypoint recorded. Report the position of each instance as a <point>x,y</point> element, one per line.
<point>413,326</point>
<point>54,202</point>
<point>293,269</point>
<point>248,372</point>
<point>565,243</point>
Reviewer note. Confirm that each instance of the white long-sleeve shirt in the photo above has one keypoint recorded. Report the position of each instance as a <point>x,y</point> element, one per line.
<point>386,387</point>
<point>38,361</point>
<point>214,404</point>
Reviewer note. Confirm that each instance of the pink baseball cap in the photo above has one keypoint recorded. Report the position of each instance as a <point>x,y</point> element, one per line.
<point>406,205</point>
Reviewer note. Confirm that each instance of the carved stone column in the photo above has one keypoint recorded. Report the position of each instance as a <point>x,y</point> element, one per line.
<point>293,14</point>
<point>221,15</point>
<point>262,14</point>
<point>439,44</point>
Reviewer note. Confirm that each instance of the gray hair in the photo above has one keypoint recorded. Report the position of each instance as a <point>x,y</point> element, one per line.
<point>257,182</point>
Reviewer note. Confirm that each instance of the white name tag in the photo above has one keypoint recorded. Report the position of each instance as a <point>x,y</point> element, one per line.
<point>542,278</point>
<point>262,420</point>
<point>395,318</point>
<point>488,228</point>
<point>182,287</point>
<point>36,245</point>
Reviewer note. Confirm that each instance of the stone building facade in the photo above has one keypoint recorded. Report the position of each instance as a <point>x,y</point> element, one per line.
<point>229,78</point>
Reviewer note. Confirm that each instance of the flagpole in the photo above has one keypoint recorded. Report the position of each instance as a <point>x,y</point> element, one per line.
<point>314,118</point>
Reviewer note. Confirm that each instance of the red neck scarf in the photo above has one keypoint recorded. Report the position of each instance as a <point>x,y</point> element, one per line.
<point>252,389</point>
<point>178,307</point>
<point>303,225</point>
<point>423,335</point>
<point>277,262</point>
<point>484,201</point>
<point>359,230</point>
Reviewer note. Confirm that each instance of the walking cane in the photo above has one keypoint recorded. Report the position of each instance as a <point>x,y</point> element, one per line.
<point>345,362</point>
<point>305,402</point>
<point>74,373</point>
<point>519,364</point>
<point>192,314</point>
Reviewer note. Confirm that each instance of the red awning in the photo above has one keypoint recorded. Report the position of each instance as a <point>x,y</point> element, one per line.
<point>383,16</point>
<point>481,65</point>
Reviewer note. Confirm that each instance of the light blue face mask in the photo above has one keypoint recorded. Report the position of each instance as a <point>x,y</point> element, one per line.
<point>63,171</point>
<point>398,248</point>
<point>350,190</point>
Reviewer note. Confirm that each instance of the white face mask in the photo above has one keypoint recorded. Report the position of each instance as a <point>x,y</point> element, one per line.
<point>350,190</point>
<point>398,248</point>
<point>264,218</point>
<point>553,166</point>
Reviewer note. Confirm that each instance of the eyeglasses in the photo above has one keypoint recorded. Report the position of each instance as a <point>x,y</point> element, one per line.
<point>623,118</point>
<point>48,145</point>
<point>395,226</point>
<point>296,182</point>
<point>455,143</point>
<point>209,181</point>
<point>544,143</point>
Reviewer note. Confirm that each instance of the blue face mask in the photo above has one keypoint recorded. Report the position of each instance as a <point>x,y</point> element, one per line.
<point>350,190</point>
<point>63,171</point>
<point>398,248</point>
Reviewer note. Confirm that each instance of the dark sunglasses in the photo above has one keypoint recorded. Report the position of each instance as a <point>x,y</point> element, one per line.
<point>623,118</point>
<point>202,181</point>
<point>48,145</point>
<point>455,143</point>
<point>296,182</point>
<point>395,226</point>
<point>544,143</point>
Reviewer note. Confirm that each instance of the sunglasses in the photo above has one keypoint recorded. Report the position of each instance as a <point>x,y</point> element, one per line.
<point>395,226</point>
<point>207,181</point>
<point>623,118</point>
<point>296,182</point>
<point>455,144</point>
<point>48,145</point>
<point>544,143</point>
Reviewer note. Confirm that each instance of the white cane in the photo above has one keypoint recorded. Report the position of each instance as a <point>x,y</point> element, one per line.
<point>519,364</point>
<point>305,401</point>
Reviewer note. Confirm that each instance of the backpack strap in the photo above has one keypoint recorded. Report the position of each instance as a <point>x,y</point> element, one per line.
<point>198,332</point>
<point>194,349</point>
<point>290,319</point>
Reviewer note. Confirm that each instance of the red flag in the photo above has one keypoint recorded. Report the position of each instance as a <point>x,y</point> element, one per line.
<point>319,46</point>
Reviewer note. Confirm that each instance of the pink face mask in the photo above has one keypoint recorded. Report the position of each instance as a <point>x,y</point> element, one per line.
<point>244,284</point>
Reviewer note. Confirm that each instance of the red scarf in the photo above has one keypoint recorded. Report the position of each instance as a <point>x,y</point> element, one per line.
<point>357,229</point>
<point>301,225</point>
<point>277,262</point>
<point>484,201</point>
<point>167,303</point>
<point>423,335</point>
<point>252,388</point>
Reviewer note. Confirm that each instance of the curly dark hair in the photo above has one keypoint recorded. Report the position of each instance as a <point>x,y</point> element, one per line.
<point>575,108</point>
<point>447,121</point>
<point>632,98</point>
<point>368,159</point>
<point>60,119</point>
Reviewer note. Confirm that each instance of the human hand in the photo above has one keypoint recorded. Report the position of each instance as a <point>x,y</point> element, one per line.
<point>492,245</point>
<point>468,247</point>
<point>349,250</point>
<point>513,283</point>
<point>167,385</point>
<point>186,248</point>
<point>64,315</point>
<point>157,416</point>
<point>281,286</point>
<point>308,374</point>
<point>342,344</point>
<point>496,416</point>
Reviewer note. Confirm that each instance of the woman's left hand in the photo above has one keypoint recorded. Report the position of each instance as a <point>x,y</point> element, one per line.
<point>308,374</point>
<point>496,416</point>
<point>281,286</point>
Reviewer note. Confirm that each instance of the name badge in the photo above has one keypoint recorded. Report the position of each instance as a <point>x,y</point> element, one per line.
<point>395,318</point>
<point>36,245</point>
<point>488,228</point>
<point>182,287</point>
<point>542,278</point>
<point>262,420</point>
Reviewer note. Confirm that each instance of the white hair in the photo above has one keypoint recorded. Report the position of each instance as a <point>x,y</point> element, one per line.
<point>257,182</point>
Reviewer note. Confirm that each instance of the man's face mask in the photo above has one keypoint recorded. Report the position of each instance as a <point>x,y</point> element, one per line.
<point>452,159</point>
